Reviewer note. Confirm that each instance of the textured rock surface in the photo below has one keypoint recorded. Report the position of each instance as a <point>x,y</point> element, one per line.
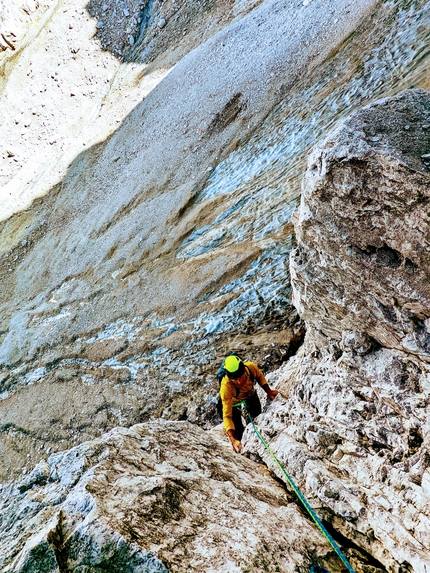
<point>167,242</point>
<point>364,228</point>
<point>100,323</point>
<point>156,497</point>
<point>355,432</point>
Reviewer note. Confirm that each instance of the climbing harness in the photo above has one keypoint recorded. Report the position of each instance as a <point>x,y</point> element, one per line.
<point>314,568</point>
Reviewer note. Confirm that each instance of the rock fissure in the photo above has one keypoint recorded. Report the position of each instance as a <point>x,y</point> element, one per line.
<point>57,539</point>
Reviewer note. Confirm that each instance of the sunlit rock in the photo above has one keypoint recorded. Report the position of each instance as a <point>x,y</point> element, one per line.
<point>355,431</point>
<point>147,190</point>
<point>154,498</point>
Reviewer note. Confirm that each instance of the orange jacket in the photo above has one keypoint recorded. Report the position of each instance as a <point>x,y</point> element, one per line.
<point>231,394</point>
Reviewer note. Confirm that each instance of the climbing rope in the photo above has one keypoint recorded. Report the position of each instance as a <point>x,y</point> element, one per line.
<point>314,569</point>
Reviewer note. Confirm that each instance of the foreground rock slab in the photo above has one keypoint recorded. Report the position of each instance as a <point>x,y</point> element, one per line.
<point>355,432</point>
<point>153,498</point>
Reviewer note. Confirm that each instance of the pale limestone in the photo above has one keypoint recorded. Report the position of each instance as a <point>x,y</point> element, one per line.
<point>156,497</point>
<point>355,432</point>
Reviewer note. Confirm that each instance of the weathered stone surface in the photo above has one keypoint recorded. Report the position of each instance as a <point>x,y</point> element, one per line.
<point>156,497</point>
<point>355,432</point>
<point>364,229</point>
<point>129,248</point>
<point>176,228</point>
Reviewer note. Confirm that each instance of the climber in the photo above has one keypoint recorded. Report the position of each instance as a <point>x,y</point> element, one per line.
<point>237,385</point>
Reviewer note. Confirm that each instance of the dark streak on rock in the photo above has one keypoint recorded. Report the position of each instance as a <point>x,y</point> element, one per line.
<point>57,540</point>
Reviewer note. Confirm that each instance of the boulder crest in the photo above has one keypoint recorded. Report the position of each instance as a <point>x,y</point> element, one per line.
<point>364,222</point>
<point>154,498</point>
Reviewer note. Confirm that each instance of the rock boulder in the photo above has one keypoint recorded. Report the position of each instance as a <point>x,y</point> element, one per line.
<point>362,268</point>
<point>153,498</point>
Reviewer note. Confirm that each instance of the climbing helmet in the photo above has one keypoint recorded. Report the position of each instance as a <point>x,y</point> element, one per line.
<point>234,367</point>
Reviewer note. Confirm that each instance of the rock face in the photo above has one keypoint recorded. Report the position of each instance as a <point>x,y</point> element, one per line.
<point>166,242</point>
<point>151,165</point>
<point>154,498</point>
<point>355,432</point>
<point>364,223</point>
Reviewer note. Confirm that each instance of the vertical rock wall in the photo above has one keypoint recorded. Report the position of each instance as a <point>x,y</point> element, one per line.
<point>355,432</point>
<point>364,210</point>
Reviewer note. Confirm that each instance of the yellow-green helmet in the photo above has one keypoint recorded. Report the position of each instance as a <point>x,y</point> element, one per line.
<point>234,366</point>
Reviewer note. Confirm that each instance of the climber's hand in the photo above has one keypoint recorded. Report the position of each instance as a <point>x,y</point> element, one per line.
<point>236,445</point>
<point>272,393</point>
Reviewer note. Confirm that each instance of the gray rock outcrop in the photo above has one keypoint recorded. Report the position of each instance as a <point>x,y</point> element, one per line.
<point>153,498</point>
<point>152,159</point>
<point>123,284</point>
<point>355,432</point>
<point>362,268</point>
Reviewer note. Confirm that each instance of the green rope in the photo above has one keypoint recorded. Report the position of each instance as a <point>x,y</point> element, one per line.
<point>299,494</point>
